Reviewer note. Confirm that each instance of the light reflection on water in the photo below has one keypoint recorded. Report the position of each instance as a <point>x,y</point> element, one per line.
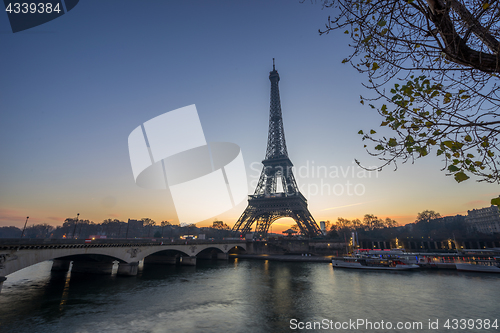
<point>237,296</point>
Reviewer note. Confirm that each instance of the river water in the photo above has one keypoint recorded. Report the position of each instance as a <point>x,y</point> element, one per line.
<point>248,296</point>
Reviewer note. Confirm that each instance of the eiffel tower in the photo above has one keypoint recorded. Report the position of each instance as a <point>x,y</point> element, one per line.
<point>269,203</point>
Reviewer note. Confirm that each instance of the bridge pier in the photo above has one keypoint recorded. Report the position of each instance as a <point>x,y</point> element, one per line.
<point>222,256</point>
<point>128,269</point>
<point>2,279</point>
<point>92,267</point>
<point>60,265</point>
<point>188,261</point>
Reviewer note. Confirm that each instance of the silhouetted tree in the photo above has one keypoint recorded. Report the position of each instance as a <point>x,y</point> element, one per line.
<point>427,216</point>
<point>434,65</point>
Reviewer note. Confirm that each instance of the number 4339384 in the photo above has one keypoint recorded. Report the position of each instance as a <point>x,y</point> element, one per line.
<point>32,8</point>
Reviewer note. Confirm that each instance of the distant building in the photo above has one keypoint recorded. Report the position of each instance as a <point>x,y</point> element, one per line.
<point>322,226</point>
<point>134,228</point>
<point>451,219</point>
<point>484,220</point>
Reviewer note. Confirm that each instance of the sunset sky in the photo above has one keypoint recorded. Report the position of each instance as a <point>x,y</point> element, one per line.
<point>73,89</point>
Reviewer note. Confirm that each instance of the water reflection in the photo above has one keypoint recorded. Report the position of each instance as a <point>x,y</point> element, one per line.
<point>65,291</point>
<point>236,296</point>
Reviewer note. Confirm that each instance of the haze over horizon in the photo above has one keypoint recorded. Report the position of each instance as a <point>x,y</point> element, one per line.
<point>74,88</point>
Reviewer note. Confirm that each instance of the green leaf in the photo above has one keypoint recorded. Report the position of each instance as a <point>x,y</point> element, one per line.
<point>453,168</point>
<point>392,142</point>
<point>447,98</point>
<point>366,40</point>
<point>360,132</point>
<point>486,6</point>
<point>375,66</point>
<point>379,147</point>
<point>372,132</point>
<point>468,138</point>
<point>461,176</point>
<point>495,201</point>
<point>448,144</point>
<point>382,23</point>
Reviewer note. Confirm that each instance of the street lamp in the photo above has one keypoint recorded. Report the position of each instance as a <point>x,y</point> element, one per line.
<point>74,229</point>
<point>27,217</point>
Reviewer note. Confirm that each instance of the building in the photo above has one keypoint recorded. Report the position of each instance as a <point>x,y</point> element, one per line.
<point>322,226</point>
<point>484,220</point>
<point>134,228</point>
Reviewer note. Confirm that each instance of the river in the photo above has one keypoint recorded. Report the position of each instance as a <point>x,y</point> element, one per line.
<point>248,296</point>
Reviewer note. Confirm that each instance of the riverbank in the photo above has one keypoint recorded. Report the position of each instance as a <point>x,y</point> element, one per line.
<point>283,257</point>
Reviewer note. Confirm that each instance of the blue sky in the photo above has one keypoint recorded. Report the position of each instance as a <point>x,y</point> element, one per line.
<point>74,88</point>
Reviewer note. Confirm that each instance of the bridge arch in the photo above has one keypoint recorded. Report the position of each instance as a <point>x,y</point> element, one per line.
<point>236,249</point>
<point>209,253</point>
<point>16,260</point>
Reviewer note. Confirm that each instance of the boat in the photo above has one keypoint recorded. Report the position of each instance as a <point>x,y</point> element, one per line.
<point>479,265</point>
<point>377,260</point>
<point>373,263</point>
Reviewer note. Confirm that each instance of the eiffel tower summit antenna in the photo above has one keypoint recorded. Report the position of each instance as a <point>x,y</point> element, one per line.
<point>269,203</point>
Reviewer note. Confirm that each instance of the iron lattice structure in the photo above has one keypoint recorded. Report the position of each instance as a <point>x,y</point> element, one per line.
<point>270,202</point>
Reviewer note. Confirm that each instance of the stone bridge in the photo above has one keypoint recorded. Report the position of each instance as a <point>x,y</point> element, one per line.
<point>100,255</point>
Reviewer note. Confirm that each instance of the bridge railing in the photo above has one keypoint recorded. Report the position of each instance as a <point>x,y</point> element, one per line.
<point>10,243</point>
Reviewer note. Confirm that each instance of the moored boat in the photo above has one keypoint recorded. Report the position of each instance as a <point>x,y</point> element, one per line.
<point>373,264</point>
<point>377,260</point>
<point>488,266</point>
